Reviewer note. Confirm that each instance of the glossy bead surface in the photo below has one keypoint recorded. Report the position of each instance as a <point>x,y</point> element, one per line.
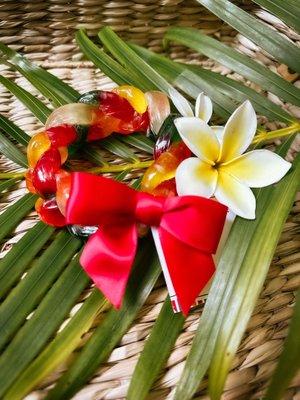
<point>134,96</point>
<point>37,146</point>
<point>62,136</point>
<point>28,181</point>
<point>72,114</point>
<point>158,109</point>
<point>164,167</point>
<point>49,213</point>
<point>63,187</point>
<point>43,176</point>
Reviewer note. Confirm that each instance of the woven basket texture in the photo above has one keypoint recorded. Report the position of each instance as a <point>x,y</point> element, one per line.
<point>44,31</point>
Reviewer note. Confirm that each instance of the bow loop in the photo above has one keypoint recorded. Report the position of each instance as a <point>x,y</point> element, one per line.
<point>194,220</point>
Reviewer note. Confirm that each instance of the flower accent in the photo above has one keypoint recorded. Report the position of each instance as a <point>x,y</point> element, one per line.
<point>220,168</point>
<point>203,105</point>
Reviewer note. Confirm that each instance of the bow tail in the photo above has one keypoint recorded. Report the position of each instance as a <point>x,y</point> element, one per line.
<point>189,269</point>
<point>108,257</point>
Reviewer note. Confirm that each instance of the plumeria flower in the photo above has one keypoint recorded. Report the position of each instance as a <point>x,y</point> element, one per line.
<point>203,105</point>
<point>220,168</point>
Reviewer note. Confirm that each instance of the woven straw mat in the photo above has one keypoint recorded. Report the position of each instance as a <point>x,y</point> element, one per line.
<point>44,31</point>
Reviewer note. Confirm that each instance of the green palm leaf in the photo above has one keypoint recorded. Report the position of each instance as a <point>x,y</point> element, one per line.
<point>267,38</point>
<point>13,265</point>
<point>288,11</point>
<point>14,131</point>
<point>29,291</point>
<point>101,60</point>
<point>51,87</point>
<point>47,318</point>
<point>113,327</point>
<point>218,87</point>
<point>289,361</point>
<point>156,351</point>
<point>12,152</point>
<point>10,218</point>
<point>32,103</point>
<point>236,61</point>
<point>143,73</point>
<point>7,184</point>
<point>60,348</point>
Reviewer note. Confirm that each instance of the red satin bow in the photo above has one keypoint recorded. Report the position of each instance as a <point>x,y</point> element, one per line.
<point>189,229</point>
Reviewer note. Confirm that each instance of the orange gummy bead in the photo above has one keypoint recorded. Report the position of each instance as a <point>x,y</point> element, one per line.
<point>38,145</point>
<point>63,183</point>
<point>164,167</point>
<point>28,180</point>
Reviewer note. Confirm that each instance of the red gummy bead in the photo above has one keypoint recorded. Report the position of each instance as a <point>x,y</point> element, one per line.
<point>115,106</point>
<point>49,213</point>
<point>62,135</point>
<point>43,176</point>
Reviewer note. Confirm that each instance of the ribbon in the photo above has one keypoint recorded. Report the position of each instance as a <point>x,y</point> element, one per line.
<point>188,229</point>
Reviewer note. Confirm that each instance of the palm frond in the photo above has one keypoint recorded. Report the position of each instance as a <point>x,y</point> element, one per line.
<point>156,351</point>
<point>116,323</point>
<point>289,361</point>
<point>261,34</point>
<point>236,61</point>
<point>288,11</point>
<point>51,87</point>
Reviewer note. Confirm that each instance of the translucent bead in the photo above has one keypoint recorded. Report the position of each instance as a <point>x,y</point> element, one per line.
<point>43,176</point>
<point>158,109</point>
<point>134,96</point>
<point>49,213</point>
<point>164,167</point>
<point>28,180</point>
<point>72,114</point>
<point>62,135</point>
<point>63,187</point>
<point>37,146</point>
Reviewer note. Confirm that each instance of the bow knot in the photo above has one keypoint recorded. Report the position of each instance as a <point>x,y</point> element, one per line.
<point>186,230</point>
<point>149,209</point>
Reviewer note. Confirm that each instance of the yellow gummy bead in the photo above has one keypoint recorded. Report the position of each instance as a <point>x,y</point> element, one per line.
<point>37,146</point>
<point>134,96</point>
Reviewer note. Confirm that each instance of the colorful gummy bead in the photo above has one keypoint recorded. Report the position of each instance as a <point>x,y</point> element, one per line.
<point>49,213</point>
<point>63,185</point>
<point>62,135</point>
<point>134,96</point>
<point>115,113</point>
<point>28,180</point>
<point>164,167</point>
<point>37,146</point>
<point>43,175</point>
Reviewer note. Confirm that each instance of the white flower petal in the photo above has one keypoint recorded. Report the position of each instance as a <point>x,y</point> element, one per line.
<point>181,103</point>
<point>195,177</point>
<point>235,195</point>
<point>238,132</point>
<point>219,132</point>
<point>203,107</point>
<point>199,138</point>
<point>258,168</point>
